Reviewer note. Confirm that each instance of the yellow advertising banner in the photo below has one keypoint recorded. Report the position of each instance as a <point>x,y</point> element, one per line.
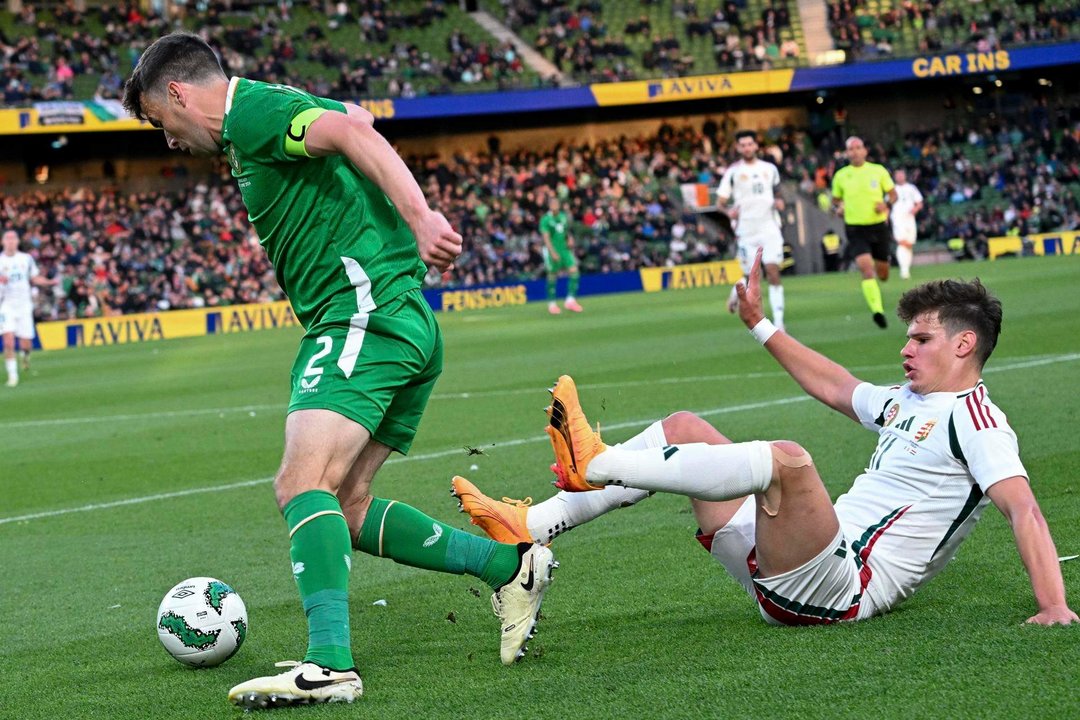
<point>67,117</point>
<point>144,327</point>
<point>681,277</point>
<point>1059,243</point>
<point>698,87</point>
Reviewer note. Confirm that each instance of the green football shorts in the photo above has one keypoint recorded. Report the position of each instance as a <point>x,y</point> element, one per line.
<point>376,369</point>
<point>566,260</point>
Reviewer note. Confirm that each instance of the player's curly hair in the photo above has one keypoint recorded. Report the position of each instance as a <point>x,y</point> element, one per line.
<point>960,306</point>
<point>179,56</point>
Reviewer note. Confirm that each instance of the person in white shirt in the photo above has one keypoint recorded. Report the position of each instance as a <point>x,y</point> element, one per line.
<point>18,272</point>
<point>909,202</point>
<point>944,452</point>
<point>749,185</point>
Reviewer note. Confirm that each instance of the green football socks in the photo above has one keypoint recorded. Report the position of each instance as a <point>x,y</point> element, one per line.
<point>405,535</point>
<point>321,561</point>
<point>551,280</point>
<point>872,292</point>
<point>575,279</point>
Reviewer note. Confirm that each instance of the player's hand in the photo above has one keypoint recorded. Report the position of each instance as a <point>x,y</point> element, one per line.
<point>554,255</point>
<point>1056,615</point>
<point>779,203</point>
<point>733,212</point>
<point>438,243</point>
<point>881,207</point>
<point>749,291</point>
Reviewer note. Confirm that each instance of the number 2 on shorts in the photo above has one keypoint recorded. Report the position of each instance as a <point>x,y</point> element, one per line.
<point>313,374</point>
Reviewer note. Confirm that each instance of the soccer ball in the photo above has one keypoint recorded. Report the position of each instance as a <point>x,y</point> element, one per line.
<point>202,622</point>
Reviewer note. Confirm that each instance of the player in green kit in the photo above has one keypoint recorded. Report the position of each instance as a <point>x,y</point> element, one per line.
<point>349,233</point>
<point>559,256</point>
<point>862,191</point>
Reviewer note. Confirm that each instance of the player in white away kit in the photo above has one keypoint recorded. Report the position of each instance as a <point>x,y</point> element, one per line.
<point>749,185</point>
<point>909,202</point>
<point>944,452</point>
<point>17,272</point>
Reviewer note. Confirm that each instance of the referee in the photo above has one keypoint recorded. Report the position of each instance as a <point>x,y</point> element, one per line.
<point>863,191</point>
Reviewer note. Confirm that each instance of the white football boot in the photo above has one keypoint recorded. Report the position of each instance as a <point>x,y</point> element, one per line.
<point>303,684</point>
<point>517,603</point>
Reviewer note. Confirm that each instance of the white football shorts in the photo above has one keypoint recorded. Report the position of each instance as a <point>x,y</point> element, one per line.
<point>829,588</point>
<point>17,320</point>
<point>769,239</point>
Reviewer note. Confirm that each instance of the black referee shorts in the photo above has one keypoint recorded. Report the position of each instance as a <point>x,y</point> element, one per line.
<point>874,239</point>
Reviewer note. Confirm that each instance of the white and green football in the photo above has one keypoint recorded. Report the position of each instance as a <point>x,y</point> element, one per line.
<point>202,622</point>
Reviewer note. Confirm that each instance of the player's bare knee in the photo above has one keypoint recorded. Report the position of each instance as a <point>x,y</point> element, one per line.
<point>789,458</point>
<point>686,427</point>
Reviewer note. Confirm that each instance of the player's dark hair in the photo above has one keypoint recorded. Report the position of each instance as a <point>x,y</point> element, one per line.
<point>960,306</point>
<point>745,133</point>
<point>178,56</point>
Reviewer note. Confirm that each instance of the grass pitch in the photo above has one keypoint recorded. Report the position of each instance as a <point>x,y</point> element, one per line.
<point>126,469</point>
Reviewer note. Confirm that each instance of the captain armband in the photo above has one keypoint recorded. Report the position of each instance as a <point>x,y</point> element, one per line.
<point>296,133</point>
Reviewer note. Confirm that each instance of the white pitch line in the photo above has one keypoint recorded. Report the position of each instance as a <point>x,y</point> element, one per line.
<point>396,459</point>
<point>1030,362</point>
<point>1023,364</point>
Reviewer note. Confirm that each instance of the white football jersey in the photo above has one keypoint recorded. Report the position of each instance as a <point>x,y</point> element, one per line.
<point>751,187</point>
<point>925,486</point>
<point>907,196</point>
<point>17,269</point>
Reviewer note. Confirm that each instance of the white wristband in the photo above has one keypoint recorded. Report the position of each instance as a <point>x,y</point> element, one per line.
<point>763,330</point>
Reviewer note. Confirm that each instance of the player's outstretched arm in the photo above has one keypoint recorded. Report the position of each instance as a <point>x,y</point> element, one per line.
<point>1013,497</point>
<point>352,135</point>
<point>819,376</point>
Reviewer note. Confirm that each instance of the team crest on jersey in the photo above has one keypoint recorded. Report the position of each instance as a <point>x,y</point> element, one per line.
<point>925,430</point>
<point>234,159</point>
<point>742,176</point>
<point>891,415</point>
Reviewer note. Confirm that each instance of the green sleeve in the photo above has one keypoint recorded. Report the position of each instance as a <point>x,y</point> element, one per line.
<point>269,121</point>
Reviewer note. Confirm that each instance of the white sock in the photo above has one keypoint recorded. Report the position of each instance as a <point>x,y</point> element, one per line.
<point>697,470</point>
<point>776,300</point>
<point>904,256</point>
<point>12,368</point>
<point>566,510</point>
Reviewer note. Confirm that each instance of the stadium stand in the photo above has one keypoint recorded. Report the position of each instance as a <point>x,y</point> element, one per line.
<point>603,41</point>
<point>868,29</point>
<point>358,49</point>
<point>119,252</point>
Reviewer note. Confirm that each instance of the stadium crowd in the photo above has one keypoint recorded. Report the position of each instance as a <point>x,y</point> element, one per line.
<point>868,31</point>
<point>118,252</point>
<point>103,43</point>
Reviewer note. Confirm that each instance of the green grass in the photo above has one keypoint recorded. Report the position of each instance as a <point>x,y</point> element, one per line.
<point>639,623</point>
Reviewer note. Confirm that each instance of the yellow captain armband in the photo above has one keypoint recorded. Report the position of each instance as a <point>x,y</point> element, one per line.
<point>296,134</point>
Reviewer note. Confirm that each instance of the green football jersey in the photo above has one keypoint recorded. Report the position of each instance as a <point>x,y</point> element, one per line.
<point>556,225</point>
<point>337,243</point>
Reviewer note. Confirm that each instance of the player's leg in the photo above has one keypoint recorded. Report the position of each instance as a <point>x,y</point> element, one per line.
<point>881,243</point>
<point>796,519</point>
<point>572,283</point>
<point>772,257</point>
<point>10,363</point>
<point>395,530</point>
<point>860,248</point>
<point>514,521</point>
<point>776,293</point>
<point>25,345</point>
<point>905,253</point>
<point>552,270</point>
<point>320,447</point>
<point>744,253</point>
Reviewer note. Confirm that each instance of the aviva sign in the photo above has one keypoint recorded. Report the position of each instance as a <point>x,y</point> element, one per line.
<point>144,327</point>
